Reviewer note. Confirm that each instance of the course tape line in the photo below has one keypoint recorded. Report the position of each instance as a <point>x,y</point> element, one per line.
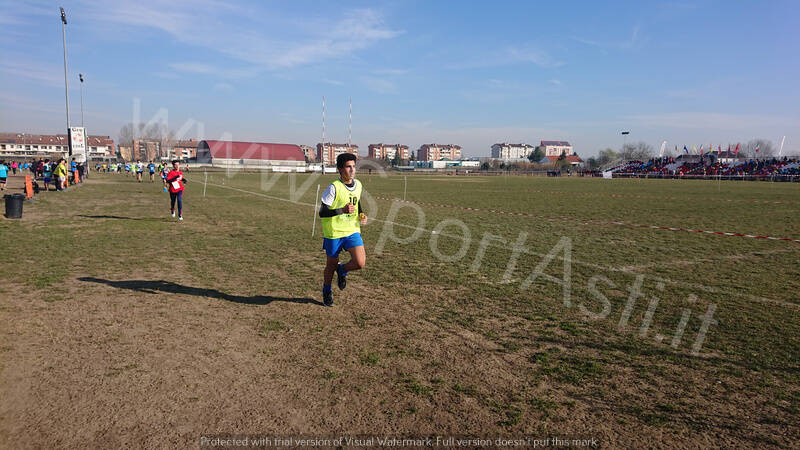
<point>653,197</point>
<point>601,222</point>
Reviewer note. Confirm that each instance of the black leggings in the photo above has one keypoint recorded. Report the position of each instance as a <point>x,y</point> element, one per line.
<point>179,197</point>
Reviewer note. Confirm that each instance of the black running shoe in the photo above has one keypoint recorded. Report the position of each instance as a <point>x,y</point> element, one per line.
<point>327,298</point>
<point>341,280</point>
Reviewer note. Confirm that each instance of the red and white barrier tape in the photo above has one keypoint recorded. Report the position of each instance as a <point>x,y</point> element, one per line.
<point>654,197</point>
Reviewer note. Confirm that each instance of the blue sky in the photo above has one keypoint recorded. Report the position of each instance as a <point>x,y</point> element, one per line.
<point>469,73</point>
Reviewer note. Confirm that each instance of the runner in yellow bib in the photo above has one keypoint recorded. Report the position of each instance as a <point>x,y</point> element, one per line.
<point>342,217</point>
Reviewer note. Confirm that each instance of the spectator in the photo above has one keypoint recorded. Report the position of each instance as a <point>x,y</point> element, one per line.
<point>47,173</point>
<point>60,173</point>
<point>3,175</point>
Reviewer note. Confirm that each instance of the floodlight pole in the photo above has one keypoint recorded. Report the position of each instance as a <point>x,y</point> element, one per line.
<point>86,136</point>
<point>624,138</point>
<point>66,83</point>
<point>80,76</point>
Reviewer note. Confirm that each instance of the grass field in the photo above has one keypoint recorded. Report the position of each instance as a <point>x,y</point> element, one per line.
<point>122,326</point>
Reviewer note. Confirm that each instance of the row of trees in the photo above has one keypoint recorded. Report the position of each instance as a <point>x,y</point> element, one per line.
<point>153,132</point>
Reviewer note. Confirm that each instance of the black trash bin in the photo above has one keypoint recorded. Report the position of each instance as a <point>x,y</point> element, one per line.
<point>14,205</point>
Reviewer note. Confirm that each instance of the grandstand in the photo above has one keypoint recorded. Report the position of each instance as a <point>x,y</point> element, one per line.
<point>708,166</point>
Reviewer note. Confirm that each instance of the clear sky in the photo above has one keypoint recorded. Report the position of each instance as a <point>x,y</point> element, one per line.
<point>469,73</point>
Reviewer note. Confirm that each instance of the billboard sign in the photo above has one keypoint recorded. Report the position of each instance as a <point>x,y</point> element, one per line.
<point>77,142</point>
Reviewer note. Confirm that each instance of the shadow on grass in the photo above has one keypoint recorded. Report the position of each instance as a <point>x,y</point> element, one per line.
<point>156,286</point>
<point>115,217</point>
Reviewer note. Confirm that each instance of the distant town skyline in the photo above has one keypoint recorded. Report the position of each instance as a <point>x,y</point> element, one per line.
<point>468,73</point>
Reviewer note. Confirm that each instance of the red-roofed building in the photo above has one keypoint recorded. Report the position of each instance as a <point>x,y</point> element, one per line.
<point>252,154</point>
<point>23,145</point>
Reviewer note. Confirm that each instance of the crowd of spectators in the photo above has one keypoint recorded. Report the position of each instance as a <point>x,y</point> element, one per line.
<point>56,173</point>
<point>711,166</point>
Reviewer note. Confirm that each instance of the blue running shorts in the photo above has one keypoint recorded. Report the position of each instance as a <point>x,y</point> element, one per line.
<point>332,247</point>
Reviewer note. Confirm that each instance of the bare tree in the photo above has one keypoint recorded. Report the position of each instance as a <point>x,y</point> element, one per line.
<point>154,132</point>
<point>164,136</point>
<point>765,149</point>
<point>641,151</point>
<point>126,135</point>
<point>606,156</point>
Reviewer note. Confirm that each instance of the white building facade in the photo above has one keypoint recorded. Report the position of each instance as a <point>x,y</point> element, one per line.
<point>511,151</point>
<point>556,148</point>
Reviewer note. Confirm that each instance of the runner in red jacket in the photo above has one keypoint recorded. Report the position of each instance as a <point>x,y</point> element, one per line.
<point>175,181</point>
